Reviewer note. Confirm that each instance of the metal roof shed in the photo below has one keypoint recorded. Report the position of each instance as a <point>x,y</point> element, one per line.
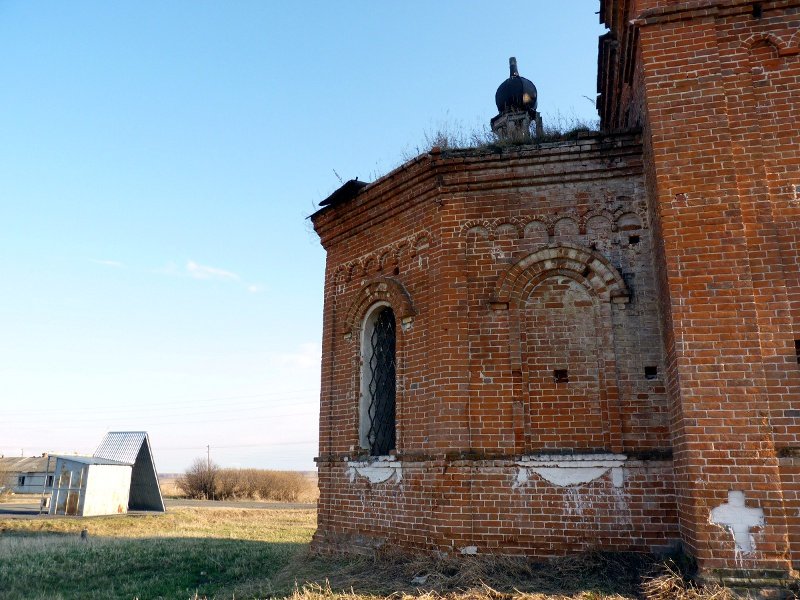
<point>133,448</point>
<point>120,476</point>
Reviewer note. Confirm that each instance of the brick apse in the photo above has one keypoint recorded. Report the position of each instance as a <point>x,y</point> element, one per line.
<point>543,348</point>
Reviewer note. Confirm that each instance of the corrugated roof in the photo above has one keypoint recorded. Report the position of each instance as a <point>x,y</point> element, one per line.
<point>28,464</point>
<point>90,460</point>
<point>121,446</point>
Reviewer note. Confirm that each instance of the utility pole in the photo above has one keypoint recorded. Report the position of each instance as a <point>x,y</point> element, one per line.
<point>208,472</point>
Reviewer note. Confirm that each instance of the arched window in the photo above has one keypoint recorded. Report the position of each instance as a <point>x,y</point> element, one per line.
<point>377,404</point>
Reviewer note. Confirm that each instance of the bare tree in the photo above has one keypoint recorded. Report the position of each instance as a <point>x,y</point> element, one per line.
<point>200,479</point>
<point>6,484</point>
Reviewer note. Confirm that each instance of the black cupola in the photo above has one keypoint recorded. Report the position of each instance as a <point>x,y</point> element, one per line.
<point>516,93</point>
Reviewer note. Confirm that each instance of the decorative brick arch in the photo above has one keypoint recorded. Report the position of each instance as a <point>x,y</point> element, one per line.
<point>771,38</point>
<point>605,287</point>
<point>582,264</point>
<point>794,43</point>
<point>381,289</point>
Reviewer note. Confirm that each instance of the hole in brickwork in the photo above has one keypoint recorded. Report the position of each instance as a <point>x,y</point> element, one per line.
<point>650,372</point>
<point>797,350</point>
<point>586,271</point>
<point>561,376</point>
<point>757,12</point>
<point>396,271</point>
<point>633,239</point>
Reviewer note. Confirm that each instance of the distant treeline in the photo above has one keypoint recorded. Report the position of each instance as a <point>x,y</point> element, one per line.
<point>210,481</point>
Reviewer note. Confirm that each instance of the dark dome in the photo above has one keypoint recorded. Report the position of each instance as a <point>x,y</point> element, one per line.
<point>515,93</point>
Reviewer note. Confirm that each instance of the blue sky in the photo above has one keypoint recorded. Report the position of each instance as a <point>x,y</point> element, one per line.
<point>157,163</point>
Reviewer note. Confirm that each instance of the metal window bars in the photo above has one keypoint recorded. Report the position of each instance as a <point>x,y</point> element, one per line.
<point>381,408</point>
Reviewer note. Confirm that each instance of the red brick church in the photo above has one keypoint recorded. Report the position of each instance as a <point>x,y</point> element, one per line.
<point>546,347</point>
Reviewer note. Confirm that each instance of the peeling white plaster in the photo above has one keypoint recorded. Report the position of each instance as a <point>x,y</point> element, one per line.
<point>575,502</point>
<point>737,518</point>
<point>469,550</point>
<point>570,475</point>
<point>377,470</point>
<point>617,477</point>
<point>522,478</point>
<point>571,470</point>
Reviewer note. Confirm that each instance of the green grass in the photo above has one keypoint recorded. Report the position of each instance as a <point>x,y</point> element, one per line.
<point>180,554</point>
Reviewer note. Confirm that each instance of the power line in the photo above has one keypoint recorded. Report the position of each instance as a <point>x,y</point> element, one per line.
<point>155,412</point>
<point>288,395</point>
<point>153,420</point>
<point>213,446</point>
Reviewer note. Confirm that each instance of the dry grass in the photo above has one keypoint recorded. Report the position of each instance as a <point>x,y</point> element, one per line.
<point>169,486</point>
<point>242,524</point>
<point>223,553</point>
<point>592,576</point>
<point>456,135</point>
<point>671,585</point>
<point>596,576</point>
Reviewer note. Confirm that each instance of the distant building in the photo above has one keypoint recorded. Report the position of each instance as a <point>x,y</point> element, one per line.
<point>25,475</point>
<point>120,476</point>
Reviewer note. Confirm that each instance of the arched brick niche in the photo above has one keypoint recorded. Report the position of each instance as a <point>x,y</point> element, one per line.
<point>560,301</point>
<point>376,294</point>
<point>380,289</point>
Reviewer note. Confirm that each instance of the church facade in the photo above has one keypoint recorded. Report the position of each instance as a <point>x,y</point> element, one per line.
<point>543,348</point>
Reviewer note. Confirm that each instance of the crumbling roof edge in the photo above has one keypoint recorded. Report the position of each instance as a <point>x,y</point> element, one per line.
<point>325,204</point>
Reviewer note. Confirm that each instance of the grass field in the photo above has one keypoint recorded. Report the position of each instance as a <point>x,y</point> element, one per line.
<point>195,553</point>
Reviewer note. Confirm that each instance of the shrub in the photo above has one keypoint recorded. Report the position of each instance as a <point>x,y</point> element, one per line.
<point>200,479</point>
<point>246,484</point>
<point>283,486</point>
<point>5,484</point>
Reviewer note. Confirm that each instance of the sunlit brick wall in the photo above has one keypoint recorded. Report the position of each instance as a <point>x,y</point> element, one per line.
<point>515,264</point>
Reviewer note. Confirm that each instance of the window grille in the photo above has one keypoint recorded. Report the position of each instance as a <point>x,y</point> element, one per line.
<point>381,384</point>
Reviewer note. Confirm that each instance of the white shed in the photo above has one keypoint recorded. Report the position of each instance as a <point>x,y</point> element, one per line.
<point>120,476</point>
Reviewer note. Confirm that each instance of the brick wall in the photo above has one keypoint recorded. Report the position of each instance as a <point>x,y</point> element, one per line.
<point>720,82</point>
<point>502,267</point>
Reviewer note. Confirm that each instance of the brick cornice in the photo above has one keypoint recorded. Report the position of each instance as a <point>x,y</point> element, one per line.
<point>450,172</point>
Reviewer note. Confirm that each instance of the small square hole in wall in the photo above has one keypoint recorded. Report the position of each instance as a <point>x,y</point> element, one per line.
<point>797,350</point>
<point>561,376</point>
<point>633,240</point>
<point>650,372</point>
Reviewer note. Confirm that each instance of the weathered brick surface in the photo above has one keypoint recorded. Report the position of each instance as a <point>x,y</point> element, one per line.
<point>508,266</point>
<point>719,92</point>
<point>662,278</point>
